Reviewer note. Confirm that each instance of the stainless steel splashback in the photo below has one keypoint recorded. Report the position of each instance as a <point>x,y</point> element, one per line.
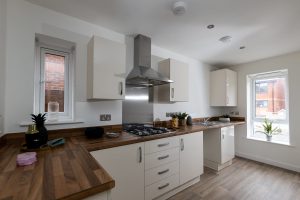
<point>138,105</point>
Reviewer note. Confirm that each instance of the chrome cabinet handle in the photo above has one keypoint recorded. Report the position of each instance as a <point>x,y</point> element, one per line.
<point>121,88</point>
<point>163,172</point>
<point>163,186</point>
<point>163,157</point>
<point>181,144</point>
<point>164,144</point>
<point>223,136</point>
<point>172,91</point>
<point>140,155</point>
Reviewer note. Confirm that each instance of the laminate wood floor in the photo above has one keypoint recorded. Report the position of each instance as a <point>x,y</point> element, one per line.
<point>244,180</point>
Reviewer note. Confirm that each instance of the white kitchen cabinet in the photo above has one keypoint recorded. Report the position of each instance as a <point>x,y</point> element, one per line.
<point>223,88</point>
<point>179,73</point>
<point>101,196</point>
<point>219,147</point>
<point>191,156</point>
<point>126,165</point>
<point>106,69</point>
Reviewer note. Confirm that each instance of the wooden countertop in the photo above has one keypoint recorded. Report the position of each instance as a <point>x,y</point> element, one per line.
<point>69,171</point>
<point>66,172</point>
<point>127,138</point>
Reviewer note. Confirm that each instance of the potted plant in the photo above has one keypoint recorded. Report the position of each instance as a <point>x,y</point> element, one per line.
<point>269,130</point>
<point>39,121</point>
<point>182,118</point>
<point>224,118</point>
<point>174,121</point>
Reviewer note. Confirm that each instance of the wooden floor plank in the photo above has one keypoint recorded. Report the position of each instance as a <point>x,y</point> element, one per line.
<point>244,180</point>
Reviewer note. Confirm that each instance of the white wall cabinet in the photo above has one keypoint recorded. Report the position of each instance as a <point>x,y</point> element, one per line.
<point>223,88</point>
<point>179,73</point>
<point>126,165</point>
<point>191,156</point>
<point>219,147</point>
<point>106,69</point>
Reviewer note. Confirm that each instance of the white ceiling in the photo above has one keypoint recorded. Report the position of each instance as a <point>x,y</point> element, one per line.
<point>266,27</point>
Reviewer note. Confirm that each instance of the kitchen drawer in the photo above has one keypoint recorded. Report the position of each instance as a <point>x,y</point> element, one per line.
<point>160,158</point>
<point>161,172</point>
<point>161,187</point>
<point>161,144</point>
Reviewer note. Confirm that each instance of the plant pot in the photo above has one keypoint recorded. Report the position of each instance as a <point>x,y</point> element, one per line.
<point>269,138</point>
<point>182,122</point>
<point>174,122</point>
<point>43,134</point>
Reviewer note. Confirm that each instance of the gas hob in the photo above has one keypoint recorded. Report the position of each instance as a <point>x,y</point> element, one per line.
<point>145,129</point>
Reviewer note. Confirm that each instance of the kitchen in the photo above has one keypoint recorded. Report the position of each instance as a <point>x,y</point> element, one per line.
<point>22,20</point>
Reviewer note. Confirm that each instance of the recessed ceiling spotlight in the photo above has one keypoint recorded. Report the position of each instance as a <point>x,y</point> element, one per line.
<point>225,39</point>
<point>242,47</point>
<point>179,8</point>
<point>211,26</point>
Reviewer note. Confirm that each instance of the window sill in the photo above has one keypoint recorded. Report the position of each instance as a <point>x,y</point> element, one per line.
<point>271,142</point>
<point>26,123</point>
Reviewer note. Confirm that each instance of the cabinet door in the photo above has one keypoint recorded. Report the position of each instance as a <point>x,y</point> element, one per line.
<point>231,88</point>
<point>179,73</point>
<point>227,144</point>
<point>223,88</point>
<point>191,156</point>
<point>218,88</point>
<point>126,166</point>
<point>106,69</point>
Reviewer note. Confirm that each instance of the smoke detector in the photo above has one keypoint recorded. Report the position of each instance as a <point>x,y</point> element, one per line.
<point>179,8</point>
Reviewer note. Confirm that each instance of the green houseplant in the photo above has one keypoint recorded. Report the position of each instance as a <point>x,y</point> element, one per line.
<point>182,118</point>
<point>269,130</point>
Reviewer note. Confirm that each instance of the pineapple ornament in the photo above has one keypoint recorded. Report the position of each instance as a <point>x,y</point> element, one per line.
<point>39,120</point>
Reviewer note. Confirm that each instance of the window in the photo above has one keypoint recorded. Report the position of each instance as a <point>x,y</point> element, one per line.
<point>268,99</point>
<point>54,78</point>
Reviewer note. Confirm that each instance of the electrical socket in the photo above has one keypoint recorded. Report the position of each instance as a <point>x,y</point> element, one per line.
<point>105,117</point>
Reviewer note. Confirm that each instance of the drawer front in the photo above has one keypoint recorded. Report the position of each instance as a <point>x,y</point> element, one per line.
<point>160,158</point>
<point>161,187</point>
<point>161,144</point>
<point>158,173</point>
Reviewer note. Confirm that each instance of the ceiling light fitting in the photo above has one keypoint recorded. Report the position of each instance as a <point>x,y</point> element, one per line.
<point>211,26</point>
<point>179,8</point>
<point>225,39</point>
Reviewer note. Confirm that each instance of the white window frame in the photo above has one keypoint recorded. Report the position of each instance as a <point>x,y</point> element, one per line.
<point>252,100</point>
<point>39,89</point>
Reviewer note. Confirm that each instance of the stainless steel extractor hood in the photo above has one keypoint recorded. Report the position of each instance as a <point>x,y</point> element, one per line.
<point>142,74</point>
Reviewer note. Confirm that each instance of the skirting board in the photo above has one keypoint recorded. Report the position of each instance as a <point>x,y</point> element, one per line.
<point>216,166</point>
<point>269,161</point>
<point>178,189</point>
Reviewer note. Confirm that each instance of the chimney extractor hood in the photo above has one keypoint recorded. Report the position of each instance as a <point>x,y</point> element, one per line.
<point>142,74</point>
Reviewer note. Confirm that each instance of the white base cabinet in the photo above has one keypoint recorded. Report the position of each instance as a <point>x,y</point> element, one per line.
<point>154,169</point>
<point>219,147</point>
<point>191,156</point>
<point>126,165</point>
<point>102,196</point>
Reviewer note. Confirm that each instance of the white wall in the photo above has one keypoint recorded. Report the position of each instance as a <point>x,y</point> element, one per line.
<point>25,19</point>
<point>280,155</point>
<point>2,59</point>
